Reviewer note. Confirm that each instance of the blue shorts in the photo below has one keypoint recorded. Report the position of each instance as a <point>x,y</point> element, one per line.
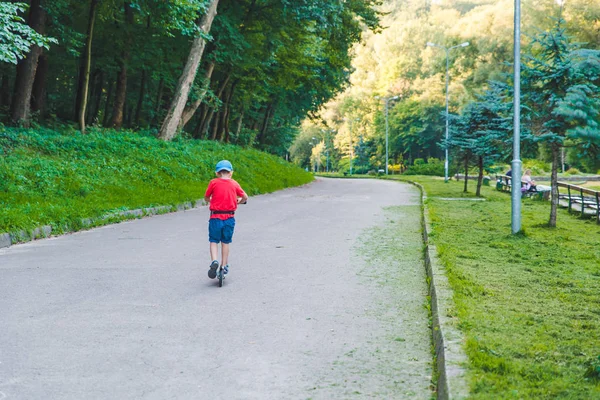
<point>220,231</point>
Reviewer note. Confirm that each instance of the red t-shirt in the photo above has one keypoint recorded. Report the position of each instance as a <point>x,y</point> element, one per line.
<point>224,194</point>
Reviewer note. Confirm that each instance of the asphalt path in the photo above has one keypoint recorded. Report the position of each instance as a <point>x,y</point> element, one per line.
<point>312,308</point>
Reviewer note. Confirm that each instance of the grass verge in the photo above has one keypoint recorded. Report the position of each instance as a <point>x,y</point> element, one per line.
<point>57,179</point>
<point>528,304</point>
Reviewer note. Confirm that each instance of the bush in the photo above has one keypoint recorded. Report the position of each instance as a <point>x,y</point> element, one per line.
<point>433,167</point>
<point>593,370</point>
<point>537,167</point>
<point>573,171</point>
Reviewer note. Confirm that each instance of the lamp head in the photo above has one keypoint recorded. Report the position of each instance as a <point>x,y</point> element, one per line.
<point>465,44</point>
<point>430,44</point>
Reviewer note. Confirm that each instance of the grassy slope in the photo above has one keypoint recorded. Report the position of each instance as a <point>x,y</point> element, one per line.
<point>57,179</point>
<point>530,304</point>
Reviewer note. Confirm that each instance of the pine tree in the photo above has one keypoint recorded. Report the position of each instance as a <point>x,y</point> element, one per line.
<point>561,91</point>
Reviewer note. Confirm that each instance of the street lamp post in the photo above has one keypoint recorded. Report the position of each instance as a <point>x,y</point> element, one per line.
<point>447,50</point>
<point>317,163</point>
<point>516,162</point>
<point>387,129</point>
<point>351,147</point>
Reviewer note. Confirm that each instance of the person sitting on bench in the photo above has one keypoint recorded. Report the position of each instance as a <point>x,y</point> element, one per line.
<point>530,185</point>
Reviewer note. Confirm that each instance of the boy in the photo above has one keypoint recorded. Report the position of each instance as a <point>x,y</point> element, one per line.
<point>223,195</point>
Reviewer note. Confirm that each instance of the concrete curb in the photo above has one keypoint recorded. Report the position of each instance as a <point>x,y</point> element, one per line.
<point>5,240</point>
<point>21,236</point>
<point>447,338</point>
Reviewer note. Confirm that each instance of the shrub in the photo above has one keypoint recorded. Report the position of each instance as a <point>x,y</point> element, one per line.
<point>537,167</point>
<point>573,171</point>
<point>593,369</point>
<point>433,167</point>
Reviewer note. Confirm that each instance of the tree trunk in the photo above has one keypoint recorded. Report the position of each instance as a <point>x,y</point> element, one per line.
<point>116,120</point>
<point>265,125</point>
<point>190,110</point>
<point>109,96</point>
<point>159,96</point>
<point>21,104</point>
<point>171,122</point>
<point>215,127</point>
<point>554,183</point>
<point>207,113</point>
<point>5,92</point>
<point>466,173</point>
<point>93,86</point>
<point>238,129</point>
<point>99,86</point>
<point>480,177</point>
<point>214,111</point>
<point>121,90</point>
<point>86,65</point>
<point>39,92</point>
<point>227,113</point>
<point>140,103</point>
<point>129,116</point>
<point>219,121</point>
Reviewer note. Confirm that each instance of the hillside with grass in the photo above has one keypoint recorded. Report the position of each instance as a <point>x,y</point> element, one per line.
<point>59,178</point>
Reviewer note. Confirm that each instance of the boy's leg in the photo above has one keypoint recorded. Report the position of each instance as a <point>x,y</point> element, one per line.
<point>228,228</point>
<point>224,253</point>
<point>214,237</point>
<point>214,251</point>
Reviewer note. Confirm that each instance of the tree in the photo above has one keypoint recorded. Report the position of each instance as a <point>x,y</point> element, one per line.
<point>26,68</point>
<point>561,87</point>
<point>87,61</point>
<point>173,118</point>
<point>489,124</point>
<point>16,37</point>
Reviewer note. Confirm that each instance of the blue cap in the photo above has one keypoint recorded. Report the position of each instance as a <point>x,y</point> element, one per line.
<point>224,165</point>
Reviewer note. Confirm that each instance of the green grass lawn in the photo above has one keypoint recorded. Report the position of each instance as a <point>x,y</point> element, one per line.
<point>55,178</point>
<point>529,304</point>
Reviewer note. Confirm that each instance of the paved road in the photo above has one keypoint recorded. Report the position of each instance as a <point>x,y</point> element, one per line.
<point>325,300</point>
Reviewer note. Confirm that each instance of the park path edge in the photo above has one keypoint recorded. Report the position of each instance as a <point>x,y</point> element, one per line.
<point>42,232</point>
<point>448,340</point>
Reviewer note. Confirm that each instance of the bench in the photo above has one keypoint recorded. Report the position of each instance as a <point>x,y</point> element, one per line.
<point>503,183</point>
<point>586,201</point>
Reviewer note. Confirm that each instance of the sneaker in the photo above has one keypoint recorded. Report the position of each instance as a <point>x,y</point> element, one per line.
<point>226,269</point>
<point>212,272</point>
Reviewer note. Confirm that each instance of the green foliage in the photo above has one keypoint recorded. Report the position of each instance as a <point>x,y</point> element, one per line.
<point>593,370</point>
<point>52,178</point>
<point>526,304</point>
<point>559,85</point>
<point>537,167</point>
<point>16,37</point>
<point>433,167</point>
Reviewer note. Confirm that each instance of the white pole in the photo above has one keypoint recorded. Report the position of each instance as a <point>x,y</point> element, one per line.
<point>386,135</point>
<point>447,122</point>
<point>516,162</point>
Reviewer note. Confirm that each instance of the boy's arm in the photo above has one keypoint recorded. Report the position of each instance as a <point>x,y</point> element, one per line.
<point>243,199</point>
<point>242,196</point>
<point>208,193</point>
